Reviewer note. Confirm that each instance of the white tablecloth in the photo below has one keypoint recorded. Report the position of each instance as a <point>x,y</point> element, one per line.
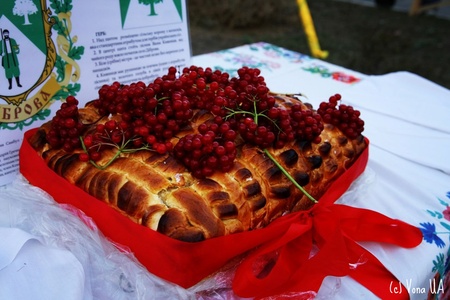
<point>55,253</point>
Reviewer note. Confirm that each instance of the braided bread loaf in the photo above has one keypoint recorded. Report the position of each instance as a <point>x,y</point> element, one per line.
<point>156,190</point>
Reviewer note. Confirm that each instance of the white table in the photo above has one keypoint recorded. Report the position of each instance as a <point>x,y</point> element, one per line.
<point>53,250</point>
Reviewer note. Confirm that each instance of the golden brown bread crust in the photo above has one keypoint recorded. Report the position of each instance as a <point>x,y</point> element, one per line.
<point>156,191</point>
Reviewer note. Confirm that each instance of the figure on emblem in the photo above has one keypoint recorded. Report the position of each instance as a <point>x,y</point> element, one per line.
<point>9,50</point>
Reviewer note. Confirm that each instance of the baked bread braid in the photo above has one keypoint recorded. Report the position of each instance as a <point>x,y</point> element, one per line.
<point>198,154</point>
<point>159,192</point>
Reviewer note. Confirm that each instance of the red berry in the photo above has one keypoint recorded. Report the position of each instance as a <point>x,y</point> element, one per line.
<point>161,148</point>
<point>88,141</point>
<point>71,100</point>
<point>84,157</point>
<point>95,156</point>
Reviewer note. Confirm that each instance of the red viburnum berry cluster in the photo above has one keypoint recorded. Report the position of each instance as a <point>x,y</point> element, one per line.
<point>212,148</point>
<point>345,117</point>
<point>66,128</point>
<point>153,116</point>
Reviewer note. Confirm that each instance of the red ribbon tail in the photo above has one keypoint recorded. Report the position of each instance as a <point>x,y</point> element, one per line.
<point>372,274</point>
<point>285,254</point>
<point>367,225</point>
<point>358,224</point>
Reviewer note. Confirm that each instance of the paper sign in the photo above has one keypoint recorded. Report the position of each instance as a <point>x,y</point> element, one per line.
<point>51,49</point>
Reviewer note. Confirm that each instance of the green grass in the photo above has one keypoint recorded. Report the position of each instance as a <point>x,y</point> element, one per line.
<point>370,40</point>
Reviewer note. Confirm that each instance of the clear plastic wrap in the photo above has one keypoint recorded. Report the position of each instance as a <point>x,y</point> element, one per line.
<point>111,270</point>
<point>359,188</point>
<point>110,273</point>
<point>218,287</point>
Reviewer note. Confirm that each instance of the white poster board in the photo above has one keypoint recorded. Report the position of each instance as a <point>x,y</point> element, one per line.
<point>51,49</point>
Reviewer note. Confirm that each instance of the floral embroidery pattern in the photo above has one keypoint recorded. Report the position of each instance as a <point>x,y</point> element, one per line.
<point>325,72</point>
<point>429,229</point>
<point>253,62</point>
<point>441,264</point>
<point>429,234</point>
<point>269,58</point>
<point>273,51</point>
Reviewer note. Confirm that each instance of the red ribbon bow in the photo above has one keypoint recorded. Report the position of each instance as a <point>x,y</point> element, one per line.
<point>335,230</point>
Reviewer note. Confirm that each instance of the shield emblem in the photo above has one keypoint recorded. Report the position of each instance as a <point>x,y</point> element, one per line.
<point>28,55</point>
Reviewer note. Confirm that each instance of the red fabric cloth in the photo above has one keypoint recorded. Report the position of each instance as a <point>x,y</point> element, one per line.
<point>334,228</point>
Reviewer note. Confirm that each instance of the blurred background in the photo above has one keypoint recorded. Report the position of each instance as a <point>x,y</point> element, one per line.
<point>370,36</point>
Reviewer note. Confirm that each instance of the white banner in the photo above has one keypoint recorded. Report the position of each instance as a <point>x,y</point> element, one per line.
<point>51,49</point>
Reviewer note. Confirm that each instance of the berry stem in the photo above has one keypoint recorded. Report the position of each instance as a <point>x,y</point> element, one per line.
<point>283,170</point>
<point>120,149</point>
<point>235,112</point>
<point>255,110</point>
<point>108,163</point>
<point>271,120</point>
